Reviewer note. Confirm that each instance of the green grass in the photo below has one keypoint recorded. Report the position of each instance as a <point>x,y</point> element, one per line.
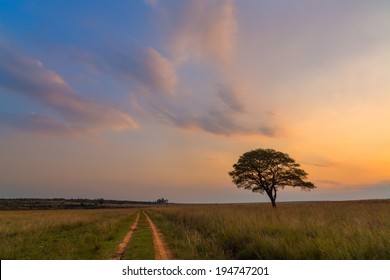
<point>318,230</point>
<point>63,234</point>
<point>141,245</point>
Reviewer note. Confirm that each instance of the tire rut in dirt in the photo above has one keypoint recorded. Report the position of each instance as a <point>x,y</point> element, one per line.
<point>123,245</point>
<point>162,252</point>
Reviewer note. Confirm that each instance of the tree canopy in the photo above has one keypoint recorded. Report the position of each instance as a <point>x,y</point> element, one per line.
<point>267,170</point>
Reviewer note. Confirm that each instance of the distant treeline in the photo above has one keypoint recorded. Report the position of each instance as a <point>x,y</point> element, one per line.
<point>72,203</point>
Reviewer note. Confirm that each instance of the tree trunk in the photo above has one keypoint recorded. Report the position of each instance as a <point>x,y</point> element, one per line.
<point>273,203</point>
<point>272,196</point>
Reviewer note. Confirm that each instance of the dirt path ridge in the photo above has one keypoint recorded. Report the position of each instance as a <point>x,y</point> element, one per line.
<point>162,252</point>
<point>122,247</point>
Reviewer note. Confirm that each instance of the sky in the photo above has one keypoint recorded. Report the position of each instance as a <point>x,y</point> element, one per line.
<point>145,99</point>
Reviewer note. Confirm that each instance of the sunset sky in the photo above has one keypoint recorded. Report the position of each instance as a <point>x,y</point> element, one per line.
<point>158,98</point>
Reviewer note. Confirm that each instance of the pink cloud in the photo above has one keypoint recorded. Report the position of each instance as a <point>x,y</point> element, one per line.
<point>201,29</point>
<point>144,68</point>
<point>161,72</point>
<point>25,76</point>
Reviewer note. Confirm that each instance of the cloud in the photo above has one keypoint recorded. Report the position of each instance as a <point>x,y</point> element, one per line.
<point>219,111</point>
<point>229,97</point>
<point>145,67</point>
<point>159,73</point>
<point>328,183</point>
<point>35,123</point>
<point>340,191</point>
<point>22,75</point>
<point>199,34</point>
<point>321,163</point>
<point>200,28</point>
<point>202,33</point>
<point>221,116</point>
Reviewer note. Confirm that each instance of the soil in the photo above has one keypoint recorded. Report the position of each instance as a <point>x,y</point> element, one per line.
<point>162,251</point>
<point>123,245</point>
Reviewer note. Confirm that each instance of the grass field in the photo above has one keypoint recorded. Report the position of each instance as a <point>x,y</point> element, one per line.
<point>310,230</point>
<point>318,230</point>
<point>63,234</point>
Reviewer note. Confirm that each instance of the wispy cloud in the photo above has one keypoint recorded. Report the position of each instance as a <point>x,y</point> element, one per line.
<point>224,115</point>
<point>202,32</point>
<point>22,75</point>
<point>198,34</point>
<point>229,97</point>
<point>143,67</point>
<point>153,81</point>
<point>321,163</point>
<point>200,28</point>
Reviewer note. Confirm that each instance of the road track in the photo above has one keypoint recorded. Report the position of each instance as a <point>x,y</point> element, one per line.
<point>162,252</point>
<point>123,245</point>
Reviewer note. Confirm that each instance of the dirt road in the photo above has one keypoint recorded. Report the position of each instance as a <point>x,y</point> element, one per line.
<point>162,252</point>
<point>122,247</point>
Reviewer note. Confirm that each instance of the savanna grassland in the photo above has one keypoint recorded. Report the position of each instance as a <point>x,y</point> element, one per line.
<point>63,234</point>
<point>315,230</point>
<point>307,230</point>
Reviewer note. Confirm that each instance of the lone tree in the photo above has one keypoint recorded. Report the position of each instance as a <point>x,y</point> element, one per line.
<point>267,170</point>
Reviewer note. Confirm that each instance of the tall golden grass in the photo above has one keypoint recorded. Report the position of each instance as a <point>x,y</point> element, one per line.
<point>63,234</point>
<point>316,230</point>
